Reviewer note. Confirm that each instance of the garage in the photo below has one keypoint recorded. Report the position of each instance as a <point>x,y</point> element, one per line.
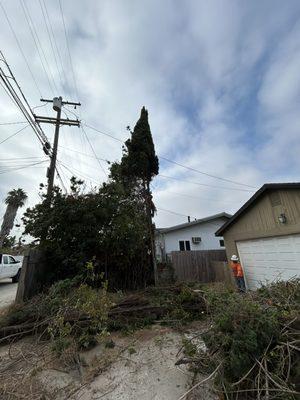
<point>265,234</point>
<point>270,259</point>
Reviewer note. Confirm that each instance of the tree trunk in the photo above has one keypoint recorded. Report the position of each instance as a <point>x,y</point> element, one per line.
<point>149,218</point>
<point>8,222</point>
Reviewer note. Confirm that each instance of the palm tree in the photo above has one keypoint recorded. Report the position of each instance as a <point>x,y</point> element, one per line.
<point>15,198</point>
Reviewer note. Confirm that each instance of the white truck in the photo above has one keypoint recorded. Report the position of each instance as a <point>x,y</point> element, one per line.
<point>10,267</point>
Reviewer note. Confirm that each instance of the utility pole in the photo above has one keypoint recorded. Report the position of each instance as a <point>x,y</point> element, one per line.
<point>58,121</point>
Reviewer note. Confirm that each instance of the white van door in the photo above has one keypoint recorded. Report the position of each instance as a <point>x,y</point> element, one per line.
<point>5,267</point>
<point>14,265</point>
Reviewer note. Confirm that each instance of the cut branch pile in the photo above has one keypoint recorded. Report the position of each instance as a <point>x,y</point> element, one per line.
<point>135,310</point>
<point>254,344</point>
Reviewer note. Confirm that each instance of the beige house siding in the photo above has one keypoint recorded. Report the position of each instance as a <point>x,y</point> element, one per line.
<point>261,218</point>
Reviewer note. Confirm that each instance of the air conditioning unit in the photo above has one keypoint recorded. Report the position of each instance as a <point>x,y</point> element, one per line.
<point>196,240</point>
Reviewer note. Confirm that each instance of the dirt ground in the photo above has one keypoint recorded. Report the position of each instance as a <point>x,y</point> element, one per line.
<point>136,366</point>
<point>8,292</point>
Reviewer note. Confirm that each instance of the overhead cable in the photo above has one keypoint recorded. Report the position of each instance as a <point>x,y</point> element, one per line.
<point>68,48</point>
<point>203,184</point>
<point>181,165</point>
<point>93,150</point>
<point>51,43</point>
<point>55,43</point>
<point>37,44</point>
<point>20,48</point>
<point>204,173</point>
<point>14,134</point>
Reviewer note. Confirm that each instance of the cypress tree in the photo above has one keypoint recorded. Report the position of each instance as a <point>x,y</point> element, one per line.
<point>140,161</point>
<point>139,165</point>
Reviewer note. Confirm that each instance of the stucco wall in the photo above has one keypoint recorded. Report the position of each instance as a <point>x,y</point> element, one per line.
<point>205,230</point>
<point>261,219</point>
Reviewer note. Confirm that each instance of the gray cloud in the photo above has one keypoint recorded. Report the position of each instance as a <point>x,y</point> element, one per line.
<point>220,80</point>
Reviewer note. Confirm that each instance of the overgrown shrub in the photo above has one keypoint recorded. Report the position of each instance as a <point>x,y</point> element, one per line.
<point>242,330</point>
<point>255,341</point>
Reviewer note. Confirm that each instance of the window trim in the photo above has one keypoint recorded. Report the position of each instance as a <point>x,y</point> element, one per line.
<point>184,245</point>
<point>181,245</point>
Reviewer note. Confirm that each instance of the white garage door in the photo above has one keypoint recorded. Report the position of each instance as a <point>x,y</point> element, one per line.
<point>271,259</point>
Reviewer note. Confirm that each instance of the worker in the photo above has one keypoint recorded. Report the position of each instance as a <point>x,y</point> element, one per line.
<point>238,273</point>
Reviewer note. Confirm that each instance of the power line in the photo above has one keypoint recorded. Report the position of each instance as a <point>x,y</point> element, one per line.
<point>197,197</point>
<point>20,48</point>
<point>181,165</point>
<point>13,123</point>
<point>87,138</point>
<point>51,43</point>
<point>173,212</point>
<point>14,134</point>
<point>18,158</point>
<point>21,167</point>
<point>68,168</point>
<point>60,178</point>
<point>55,43</point>
<point>188,216</point>
<point>37,43</point>
<point>84,154</point>
<point>7,80</point>
<point>204,173</point>
<point>204,184</point>
<point>103,133</point>
<point>68,48</point>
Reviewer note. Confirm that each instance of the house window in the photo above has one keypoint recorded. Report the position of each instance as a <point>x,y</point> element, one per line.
<point>275,199</point>
<point>184,245</point>
<point>222,243</point>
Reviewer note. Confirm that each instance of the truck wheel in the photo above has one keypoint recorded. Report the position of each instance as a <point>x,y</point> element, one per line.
<point>15,279</point>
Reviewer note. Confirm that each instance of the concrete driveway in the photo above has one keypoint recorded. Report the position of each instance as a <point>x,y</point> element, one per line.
<point>7,292</point>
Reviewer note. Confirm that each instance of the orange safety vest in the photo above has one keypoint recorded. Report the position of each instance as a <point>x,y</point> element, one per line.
<point>237,270</point>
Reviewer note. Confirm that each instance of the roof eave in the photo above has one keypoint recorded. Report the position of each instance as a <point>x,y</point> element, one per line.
<point>264,188</point>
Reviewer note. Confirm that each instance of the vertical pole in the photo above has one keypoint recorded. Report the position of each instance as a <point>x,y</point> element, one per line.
<point>54,152</point>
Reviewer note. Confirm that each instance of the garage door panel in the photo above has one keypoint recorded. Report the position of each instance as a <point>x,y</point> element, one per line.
<point>270,259</point>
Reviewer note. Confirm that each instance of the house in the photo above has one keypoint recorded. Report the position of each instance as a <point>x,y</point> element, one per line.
<point>265,234</point>
<point>194,235</point>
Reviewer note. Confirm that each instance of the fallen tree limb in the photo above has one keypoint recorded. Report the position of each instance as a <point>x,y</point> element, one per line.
<point>201,382</point>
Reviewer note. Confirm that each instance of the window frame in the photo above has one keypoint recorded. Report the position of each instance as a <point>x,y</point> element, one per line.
<point>222,243</point>
<point>184,245</point>
<point>187,244</point>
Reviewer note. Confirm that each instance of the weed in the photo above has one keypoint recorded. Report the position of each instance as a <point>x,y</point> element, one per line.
<point>132,350</point>
<point>189,348</point>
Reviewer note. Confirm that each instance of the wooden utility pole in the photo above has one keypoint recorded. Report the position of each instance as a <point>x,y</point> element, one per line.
<point>58,121</point>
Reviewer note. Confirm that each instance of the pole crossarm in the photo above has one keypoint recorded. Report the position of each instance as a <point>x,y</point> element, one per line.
<point>70,103</point>
<point>62,121</point>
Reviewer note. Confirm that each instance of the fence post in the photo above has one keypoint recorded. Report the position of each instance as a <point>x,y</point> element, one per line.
<point>32,268</point>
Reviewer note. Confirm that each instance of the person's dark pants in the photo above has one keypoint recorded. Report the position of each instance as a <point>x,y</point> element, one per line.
<point>240,281</point>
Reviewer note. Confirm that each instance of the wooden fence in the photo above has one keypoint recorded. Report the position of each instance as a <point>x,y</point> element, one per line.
<point>201,266</point>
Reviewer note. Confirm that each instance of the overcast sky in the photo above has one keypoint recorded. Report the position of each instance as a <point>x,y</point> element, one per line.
<point>220,80</point>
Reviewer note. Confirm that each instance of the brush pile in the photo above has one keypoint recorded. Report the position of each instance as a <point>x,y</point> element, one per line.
<point>69,312</point>
<point>253,345</point>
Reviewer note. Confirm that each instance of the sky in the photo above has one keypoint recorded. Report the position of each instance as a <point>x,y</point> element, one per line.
<point>220,80</point>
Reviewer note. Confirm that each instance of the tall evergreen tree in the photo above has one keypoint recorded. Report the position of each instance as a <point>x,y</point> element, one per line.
<point>140,161</point>
<point>139,165</point>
